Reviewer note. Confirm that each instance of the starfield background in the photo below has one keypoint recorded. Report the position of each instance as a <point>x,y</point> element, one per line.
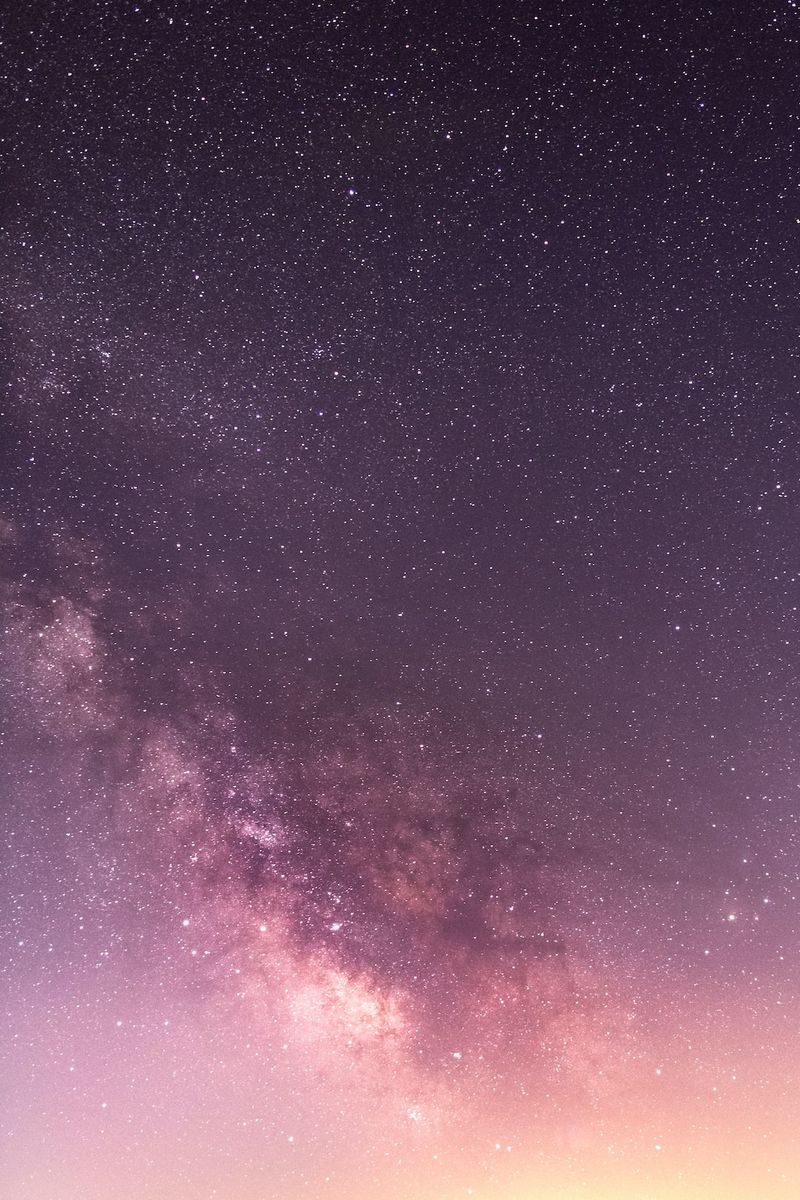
<point>400,580</point>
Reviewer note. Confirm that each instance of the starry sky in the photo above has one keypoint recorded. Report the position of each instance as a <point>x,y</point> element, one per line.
<point>400,568</point>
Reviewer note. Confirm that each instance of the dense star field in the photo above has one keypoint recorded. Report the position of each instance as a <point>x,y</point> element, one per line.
<point>400,543</point>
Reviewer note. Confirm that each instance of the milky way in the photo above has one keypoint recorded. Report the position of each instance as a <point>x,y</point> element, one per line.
<point>399,567</point>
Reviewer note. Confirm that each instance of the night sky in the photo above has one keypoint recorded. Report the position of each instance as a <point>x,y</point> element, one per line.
<point>400,570</point>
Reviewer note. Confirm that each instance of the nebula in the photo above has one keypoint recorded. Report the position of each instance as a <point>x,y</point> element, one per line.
<point>398,566</point>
